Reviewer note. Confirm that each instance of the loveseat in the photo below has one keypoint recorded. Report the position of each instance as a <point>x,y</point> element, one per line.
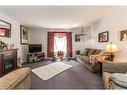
<point>17,79</point>
<point>111,74</point>
<point>84,58</point>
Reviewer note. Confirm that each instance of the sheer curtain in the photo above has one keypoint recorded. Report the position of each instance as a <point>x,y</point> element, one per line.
<point>60,42</point>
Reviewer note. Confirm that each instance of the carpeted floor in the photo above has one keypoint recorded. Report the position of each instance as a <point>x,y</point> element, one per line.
<point>77,77</point>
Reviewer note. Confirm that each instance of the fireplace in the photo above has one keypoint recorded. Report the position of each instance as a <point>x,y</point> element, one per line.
<point>8,64</point>
<point>8,61</point>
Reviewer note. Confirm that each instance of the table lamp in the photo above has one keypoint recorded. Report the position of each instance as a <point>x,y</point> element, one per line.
<point>112,48</point>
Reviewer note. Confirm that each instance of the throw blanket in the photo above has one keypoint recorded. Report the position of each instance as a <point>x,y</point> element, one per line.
<point>120,79</point>
<point>98,57</point>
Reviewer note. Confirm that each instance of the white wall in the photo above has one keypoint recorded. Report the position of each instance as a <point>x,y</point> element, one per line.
<point>15,36</point>
<point>112,23</point>
<point>39,36</point>
<point>78,45</point>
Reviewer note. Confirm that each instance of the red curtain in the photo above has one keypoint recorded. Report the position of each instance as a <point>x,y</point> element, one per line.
<point>69,43</point>
<point>51,36</point>
<point>59,34</point>
<point>50,49</point>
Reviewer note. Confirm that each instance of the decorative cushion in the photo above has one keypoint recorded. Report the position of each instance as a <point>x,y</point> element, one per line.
<point>97,51</point>
<point>120,79</point>
<point>85,59</point>
<point>83,52</point>
<point>87,51</point>
<point>91,52</point>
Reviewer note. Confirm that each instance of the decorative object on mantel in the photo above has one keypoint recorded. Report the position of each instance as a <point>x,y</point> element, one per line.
<point>123,35</point>
<point>11,46</point>
<point>103,37</point>
<point>112,48</point>
<point>19,63</point>
<point>3,46</point>
<point>24,35</point>
<point>5,29</point>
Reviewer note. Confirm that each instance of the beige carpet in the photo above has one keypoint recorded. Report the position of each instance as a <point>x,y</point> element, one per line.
<point>51,70</point>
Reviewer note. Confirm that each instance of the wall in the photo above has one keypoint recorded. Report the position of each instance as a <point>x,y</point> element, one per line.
<point>15,36</point>
<point>112,23</point>
<point>39,36</point>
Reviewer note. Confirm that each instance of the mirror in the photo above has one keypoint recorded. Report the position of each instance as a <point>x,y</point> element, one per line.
<point>5,29</point>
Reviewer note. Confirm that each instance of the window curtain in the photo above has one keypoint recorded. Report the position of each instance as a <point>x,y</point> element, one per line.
<point>50,49</point>
<point>52,36</point>
<point>60,42</point>
<point>60,34</point>
<point>69,43</point>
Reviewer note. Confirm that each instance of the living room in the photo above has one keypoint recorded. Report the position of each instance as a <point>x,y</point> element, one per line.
<point>37,38</point>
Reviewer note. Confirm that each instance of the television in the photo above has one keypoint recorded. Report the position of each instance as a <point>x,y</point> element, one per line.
<point>35,48</point>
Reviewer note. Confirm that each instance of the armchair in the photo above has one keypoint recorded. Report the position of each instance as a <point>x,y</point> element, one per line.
<point>108,69</point>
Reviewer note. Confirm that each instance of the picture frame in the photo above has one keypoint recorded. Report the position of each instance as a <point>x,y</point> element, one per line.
<point>77,38</point>
<point>5,29</point>
<point>24,35</point>
<point>123,35</point>
<point>103,37</point>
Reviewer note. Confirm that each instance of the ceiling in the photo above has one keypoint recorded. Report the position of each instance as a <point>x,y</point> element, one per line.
<point>60,17</point>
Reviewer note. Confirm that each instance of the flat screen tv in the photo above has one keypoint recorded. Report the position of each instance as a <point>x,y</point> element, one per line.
<point>35,48</point>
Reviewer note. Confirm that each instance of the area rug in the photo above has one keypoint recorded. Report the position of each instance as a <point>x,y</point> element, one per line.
<point>51,70</point>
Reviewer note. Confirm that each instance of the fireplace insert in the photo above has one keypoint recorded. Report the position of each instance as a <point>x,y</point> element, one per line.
<point>8,64</point>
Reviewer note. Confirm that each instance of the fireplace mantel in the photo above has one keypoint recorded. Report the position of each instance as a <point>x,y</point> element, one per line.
<point>8,60</point>
<point>8,50</point>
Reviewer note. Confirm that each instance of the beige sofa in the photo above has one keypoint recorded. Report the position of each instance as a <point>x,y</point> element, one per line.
<point>17,79</point>
<point>110,68</point>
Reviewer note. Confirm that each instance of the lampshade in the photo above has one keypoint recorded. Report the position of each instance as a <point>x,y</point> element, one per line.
<point>111,48</point>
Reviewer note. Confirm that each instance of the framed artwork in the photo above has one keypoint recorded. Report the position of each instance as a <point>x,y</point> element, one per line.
<point>103,37</point>
<point>5,29</point>
<point>77,38</point>
<point>24,35</point>
<point>123,35</point>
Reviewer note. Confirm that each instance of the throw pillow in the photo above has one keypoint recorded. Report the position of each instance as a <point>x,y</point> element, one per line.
<point>97,51</point>
<point>88,49</point>
<point>91,52</point>
<point>83,52</point>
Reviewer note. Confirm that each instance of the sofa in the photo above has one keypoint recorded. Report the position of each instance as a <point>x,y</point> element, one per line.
<point>112,75</point>
<point>17,79</point>
<point>84,59</point>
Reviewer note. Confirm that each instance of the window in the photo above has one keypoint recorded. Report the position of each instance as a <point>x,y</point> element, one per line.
<point>60,44</point>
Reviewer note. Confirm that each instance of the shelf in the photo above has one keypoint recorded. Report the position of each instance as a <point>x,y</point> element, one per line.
<point>34,57</point>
